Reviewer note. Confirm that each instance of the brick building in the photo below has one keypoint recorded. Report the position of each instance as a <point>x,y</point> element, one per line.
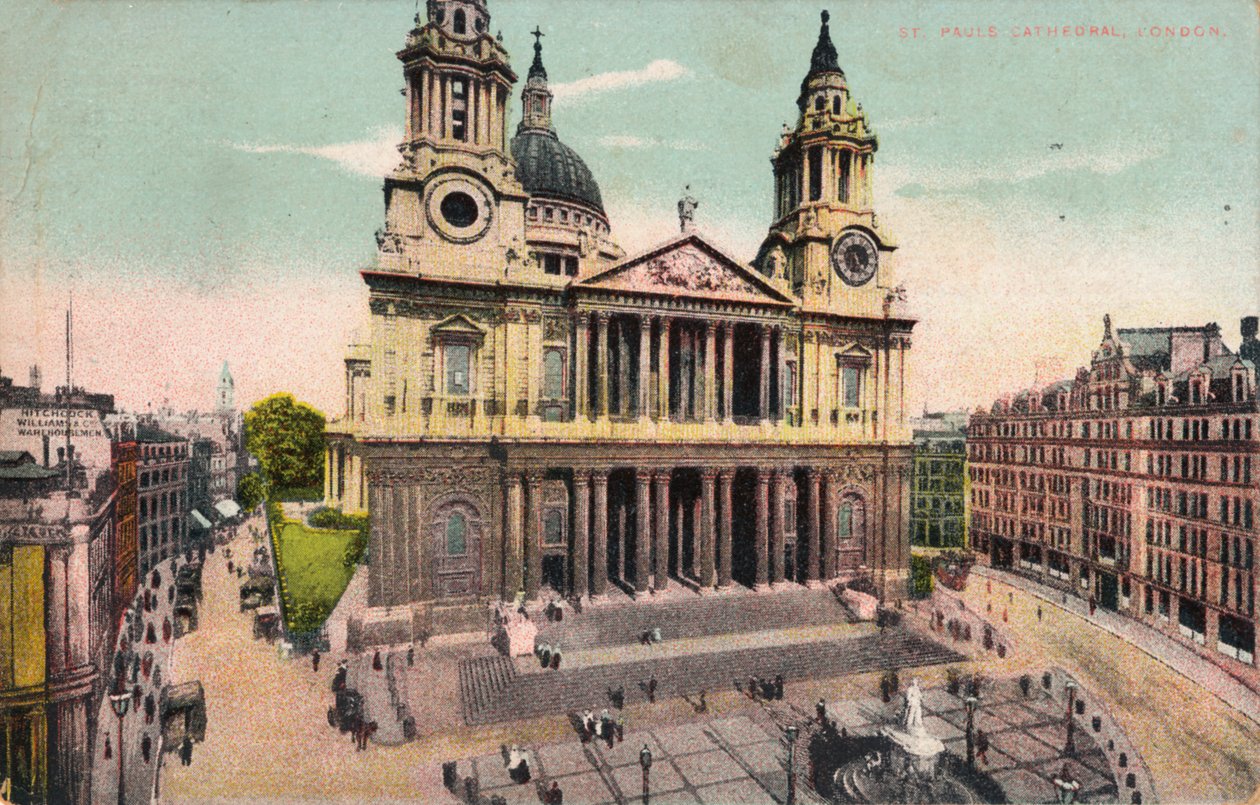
<point>163,494</point>
<point>1134,484</point>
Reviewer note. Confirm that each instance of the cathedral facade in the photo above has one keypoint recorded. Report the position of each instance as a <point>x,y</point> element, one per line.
<point>537,413</point>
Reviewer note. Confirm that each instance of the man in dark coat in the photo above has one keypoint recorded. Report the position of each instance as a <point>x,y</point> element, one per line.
<point>185,751</point>
<point>315,661</point>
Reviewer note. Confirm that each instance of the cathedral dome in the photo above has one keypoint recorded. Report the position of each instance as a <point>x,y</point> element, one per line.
<point>547,167</point>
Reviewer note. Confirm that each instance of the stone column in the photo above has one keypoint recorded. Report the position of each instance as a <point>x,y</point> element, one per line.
<point>762,526</point>
<point>812,481</point>
<point>599,547</point>
<point>645,366</point>
<point>601,362</point>
<point>726,480</point>
<point>662,373</point>
<point>512,559</point>
<point>57,635</point>
<point>776,525</point>
<point>581,532</point>
<point>728,373</point>
<point>533,533</point>
<point>661,568</point>
<point>780,388</point>
<point>623,368</point>
<point>708,515</point>
<point>642,529</point>
<point>581,348</point>
<point>763,412</point>
<point>827,551</point>
<point>679,524</point>
<point>710,372</point>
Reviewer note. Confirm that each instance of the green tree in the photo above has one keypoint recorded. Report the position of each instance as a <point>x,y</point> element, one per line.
<point>287,438</point>
<point>251,490</point>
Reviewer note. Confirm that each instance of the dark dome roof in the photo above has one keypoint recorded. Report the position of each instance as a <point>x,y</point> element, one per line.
<point>547,167</point>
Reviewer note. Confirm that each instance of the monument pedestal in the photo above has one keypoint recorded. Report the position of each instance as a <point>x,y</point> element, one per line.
<point>920,748</point>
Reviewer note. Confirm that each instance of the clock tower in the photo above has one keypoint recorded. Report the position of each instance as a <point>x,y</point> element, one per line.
<point>826,242</point>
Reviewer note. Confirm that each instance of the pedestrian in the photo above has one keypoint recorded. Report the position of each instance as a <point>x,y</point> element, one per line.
<point>376,661</point>
<point>109,750</point>
<point>988,607</point>
<point>703,707</point>
<point>1093,605</point>
<point>1010,597</point>
<point>988,586</point>
<point>157,677</point>
<point>620,727</point>
<point>146,747</point>
<point>778,687</point>
<point>185,751</point>
<point>339,678</point>
<point>135,696</point>
<point>651,689</point>
<point>1039,613</point>
<point>231,568</point>
<point>150,636</point>
<point>588,725</point>
<point>820,711</point>
<point>166,630</point>
<point>411,656</point>
<point>1004,619</point>
<point>315,661</point>
<point>606,727</point>
<point>982,746</point>
<point>618,697</point>
<point>752,688</point>
<point>149,707</point>
<point>554,795</point>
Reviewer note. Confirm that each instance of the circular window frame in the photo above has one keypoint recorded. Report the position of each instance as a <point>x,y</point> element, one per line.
<point>438,192</point>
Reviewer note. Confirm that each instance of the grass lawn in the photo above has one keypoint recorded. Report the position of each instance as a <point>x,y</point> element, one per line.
<point>311,563</point>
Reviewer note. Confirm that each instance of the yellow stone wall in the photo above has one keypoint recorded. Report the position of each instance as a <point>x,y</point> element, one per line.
<point>22,618</point>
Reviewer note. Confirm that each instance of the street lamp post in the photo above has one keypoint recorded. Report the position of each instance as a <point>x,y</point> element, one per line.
<point>1069,747</point>
<point>971,702</point>
<point>120,702</point>
<point>645,760</point>
<point>791,773</point>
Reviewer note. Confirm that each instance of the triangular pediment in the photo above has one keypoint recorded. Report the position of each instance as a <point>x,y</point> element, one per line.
<point>458,324</point>
<point>688,267</point>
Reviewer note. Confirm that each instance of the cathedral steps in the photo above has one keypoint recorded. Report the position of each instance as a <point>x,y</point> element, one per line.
<point>693,616</point>
<point>487,699</point>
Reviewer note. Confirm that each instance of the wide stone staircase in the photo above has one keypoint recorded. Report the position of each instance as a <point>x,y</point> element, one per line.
<point>492,691</point>
<point>697,616</point>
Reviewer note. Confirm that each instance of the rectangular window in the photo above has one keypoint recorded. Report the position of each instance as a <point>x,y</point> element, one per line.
<point>571,266</point>
<point>842,189</point>
<point>459,109</point>
<point>552,264</point>
<point>850,386</point>
<point>457,359</point>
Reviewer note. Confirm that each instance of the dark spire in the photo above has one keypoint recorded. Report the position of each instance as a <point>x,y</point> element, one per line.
<point>536,70</point>
<point>823,59</point>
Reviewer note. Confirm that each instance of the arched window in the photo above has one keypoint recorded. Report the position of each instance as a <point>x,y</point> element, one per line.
<point>553,374</point>
<point>820,103</point>
<point>458,24</point>
<point>851,519</point>
<point>844,529</point>
<point>456,534</point>
<point>835,105</point>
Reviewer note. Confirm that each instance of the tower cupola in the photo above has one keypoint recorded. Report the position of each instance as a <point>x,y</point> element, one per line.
<point>536,97</point>
<point>460,19</point>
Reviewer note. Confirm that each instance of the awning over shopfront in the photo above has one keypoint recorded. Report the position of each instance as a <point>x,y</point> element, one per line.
<point>200,520</point>
<point>227,508</point>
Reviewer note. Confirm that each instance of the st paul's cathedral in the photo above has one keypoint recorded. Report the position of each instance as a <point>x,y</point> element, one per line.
<point>535,413</point>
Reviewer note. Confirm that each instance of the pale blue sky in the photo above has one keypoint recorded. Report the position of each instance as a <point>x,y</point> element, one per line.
<point>153,153</point>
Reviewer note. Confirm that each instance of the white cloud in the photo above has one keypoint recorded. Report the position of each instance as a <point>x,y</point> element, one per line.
<point>633,142</point>
<point>373,157</point>
<point>658,71</point>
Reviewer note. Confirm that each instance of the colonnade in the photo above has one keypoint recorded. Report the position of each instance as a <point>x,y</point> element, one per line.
<point>703,363</point>
<point>648,510</point>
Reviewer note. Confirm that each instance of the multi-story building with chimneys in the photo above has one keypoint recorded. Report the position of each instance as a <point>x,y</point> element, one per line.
<point>1135,484</point>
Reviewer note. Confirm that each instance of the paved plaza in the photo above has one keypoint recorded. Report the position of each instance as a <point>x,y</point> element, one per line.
<point>268,739</point>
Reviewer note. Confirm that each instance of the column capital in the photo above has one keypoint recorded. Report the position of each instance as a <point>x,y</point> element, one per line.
<point>645,321</point>
<point>726,475</point>
<point>599,474</point>
<point>662,477</point>
<point>581,479</point>
<point>813,474</point>
<point>643,475</point>
<point>602,316</point>
<point>709,474</point>
<point>580,318</point>
<point>534,475</point>
<point>763,476</point>
<point>512,479</point>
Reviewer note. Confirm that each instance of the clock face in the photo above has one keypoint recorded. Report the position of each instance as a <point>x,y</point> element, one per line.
<point>855,258</point>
